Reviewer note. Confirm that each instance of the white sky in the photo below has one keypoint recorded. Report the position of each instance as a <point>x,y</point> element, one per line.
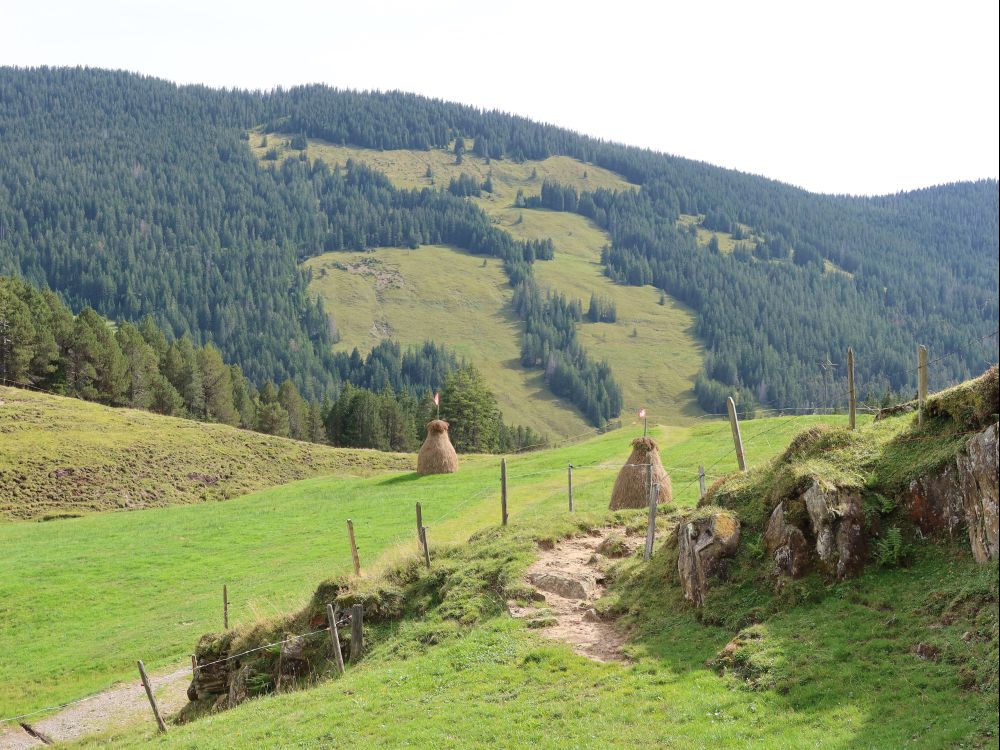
<point>845,96</point>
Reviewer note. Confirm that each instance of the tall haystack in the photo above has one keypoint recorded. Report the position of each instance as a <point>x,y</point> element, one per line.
<point>631,490</point>
<point>437,454</point>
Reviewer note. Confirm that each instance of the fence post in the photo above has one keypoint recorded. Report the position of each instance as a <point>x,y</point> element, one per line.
<point>503,490</point>
<point>734,423</point>
<point>701,482</point>
<point>225,606</point>
<point>569,485</point>
<point>654,491</point>
<point>331,616</point>
<point>152,700</point>
<point>420,525</point>
<point>357,634</point>
<point>354,548</point>
<point>851,393</point>
<point>194,666</point>
<point>921,381</point>
<point>423,543</point>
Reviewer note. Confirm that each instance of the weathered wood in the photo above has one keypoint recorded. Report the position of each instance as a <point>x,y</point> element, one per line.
<point>654,492</point>
<point>423,544</point>
<point>194,666</point>
<point>357,633</point>
<point>734,423</point>
<point>420,525</point>
<point>354,548</point>
<point>852,396</point>
<point>331,617</point>
<point>503,491</point>
<point>225,607</point>
<point>569,485</point>
<point>921,381</point>
<point>701,482</point>
<point>152,698</point>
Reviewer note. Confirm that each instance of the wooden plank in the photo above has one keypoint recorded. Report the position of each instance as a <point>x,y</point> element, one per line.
<point>357,633</point>
<point>152,698</point>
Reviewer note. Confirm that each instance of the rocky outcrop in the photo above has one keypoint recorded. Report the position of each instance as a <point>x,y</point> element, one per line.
<point>961,497</point>
<point>786,546</point>
<point>703,548</point>
<point>837,517</point>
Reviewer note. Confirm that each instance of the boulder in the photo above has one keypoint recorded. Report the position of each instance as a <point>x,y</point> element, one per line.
<point>786,545</point>
<point>977,475</point>
<point>934,503</point>
<point>703,547</point>
<point>837,519</point>
<point>293,661</point>
<point>581,586</point>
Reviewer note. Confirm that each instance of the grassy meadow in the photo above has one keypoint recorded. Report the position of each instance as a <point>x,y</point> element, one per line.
<point>82,598</point>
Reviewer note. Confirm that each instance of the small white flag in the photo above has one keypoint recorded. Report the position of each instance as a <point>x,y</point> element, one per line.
<point>437,399</point>
<point>642,413</point>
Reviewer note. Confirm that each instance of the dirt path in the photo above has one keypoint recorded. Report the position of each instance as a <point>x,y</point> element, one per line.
<point>112,709</point>
<point>571,582</point>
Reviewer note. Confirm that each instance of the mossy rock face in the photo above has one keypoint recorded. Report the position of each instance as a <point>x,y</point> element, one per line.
<point>972,405</point>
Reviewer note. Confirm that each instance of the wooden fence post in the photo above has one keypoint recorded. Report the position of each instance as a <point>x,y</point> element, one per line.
<point>503,490</point>
<point>852,395</point>
<point>357,634</point>
<point>225,606</point>
<point>921,381</point>
<point>152,699</point>
<point>701,482</point>
<point>331,616</point>
<point>734,423</point>
<point>354,548</point>
<point>569,485</point>
<point>194,666</point>
<point>654,491</point>
<point>423,543</point>
<point>420,525</point>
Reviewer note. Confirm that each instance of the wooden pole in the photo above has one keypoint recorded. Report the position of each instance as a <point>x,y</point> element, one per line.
<point>503,490</point>
<point>420,525</point>
<point>331,617</point>
<point>851,393</point>
<point>357,634</point>
<point>194,666</point>
<point>734,423</point>
<point>225,606</point>
<point>654,490</point>
<point>569,485</point>
<point>921,381</point>
<point>701,482</point>
<point>152,699</point>
<point>423,543</point>
<point>354,548</point>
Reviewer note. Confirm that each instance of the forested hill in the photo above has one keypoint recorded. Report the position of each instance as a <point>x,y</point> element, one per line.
<point>135,196</point>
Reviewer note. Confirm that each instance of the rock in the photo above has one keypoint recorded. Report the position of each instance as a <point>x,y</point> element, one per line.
<point>836,516</point>
<point>786,545</point>
<point>238,688</point>
<point>703,545</point>
<point>591,616</point>
<point>565,585</point>
<point>614,545</point>
<point>934,503</point>
<point>977,475</point>
<point>293,662</point>
<point>926,651</point>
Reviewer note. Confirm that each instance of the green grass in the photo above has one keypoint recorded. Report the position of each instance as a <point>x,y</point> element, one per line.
<point>62,456</point>
<point>450,297</point>
<point>82,598</point>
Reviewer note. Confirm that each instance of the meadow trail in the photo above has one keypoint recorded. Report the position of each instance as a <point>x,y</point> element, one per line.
<point>111,709</point>
<point>569,577</point>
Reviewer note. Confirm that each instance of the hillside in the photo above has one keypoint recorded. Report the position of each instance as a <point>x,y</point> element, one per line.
<point>65,457</point>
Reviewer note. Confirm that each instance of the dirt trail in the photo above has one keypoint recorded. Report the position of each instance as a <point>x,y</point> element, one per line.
<point>114,708</point>
<point>571,582</point>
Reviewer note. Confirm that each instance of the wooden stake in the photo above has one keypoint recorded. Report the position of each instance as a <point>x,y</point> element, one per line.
<point>423,543</point>
<point>503,490</point>
<point>354,548</point>
<point>654,490</point>
<point>569,484</point>
<point>921,381</point>
<point>734,423</point>
<point>852,396</point>
<point>331,617</point>
<point>152,699</point>
<point>701,482</point>
<point>420,525</point>
<point>225,607</point>
<point>194,666</point>
<point>357,634</point>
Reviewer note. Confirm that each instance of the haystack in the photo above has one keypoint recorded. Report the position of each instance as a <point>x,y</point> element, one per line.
<point>437,454</point>
<point>631,490</point>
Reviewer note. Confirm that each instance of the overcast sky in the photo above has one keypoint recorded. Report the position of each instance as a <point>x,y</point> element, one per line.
<point>859,97</point>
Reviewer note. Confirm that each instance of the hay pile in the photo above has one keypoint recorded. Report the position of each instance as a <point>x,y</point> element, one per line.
<point>437,454</point>
<point>630,489</point>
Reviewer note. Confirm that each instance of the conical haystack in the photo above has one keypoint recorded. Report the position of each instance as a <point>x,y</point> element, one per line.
<point>631,490</point>
<point>437,454</point>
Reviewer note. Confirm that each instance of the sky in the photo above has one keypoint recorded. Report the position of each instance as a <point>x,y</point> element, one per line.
<point>836,97</point>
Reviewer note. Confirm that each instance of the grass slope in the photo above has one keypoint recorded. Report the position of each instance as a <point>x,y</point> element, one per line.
<point>82,598</point>
<point>63,456</point>
<point>656,366</point>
